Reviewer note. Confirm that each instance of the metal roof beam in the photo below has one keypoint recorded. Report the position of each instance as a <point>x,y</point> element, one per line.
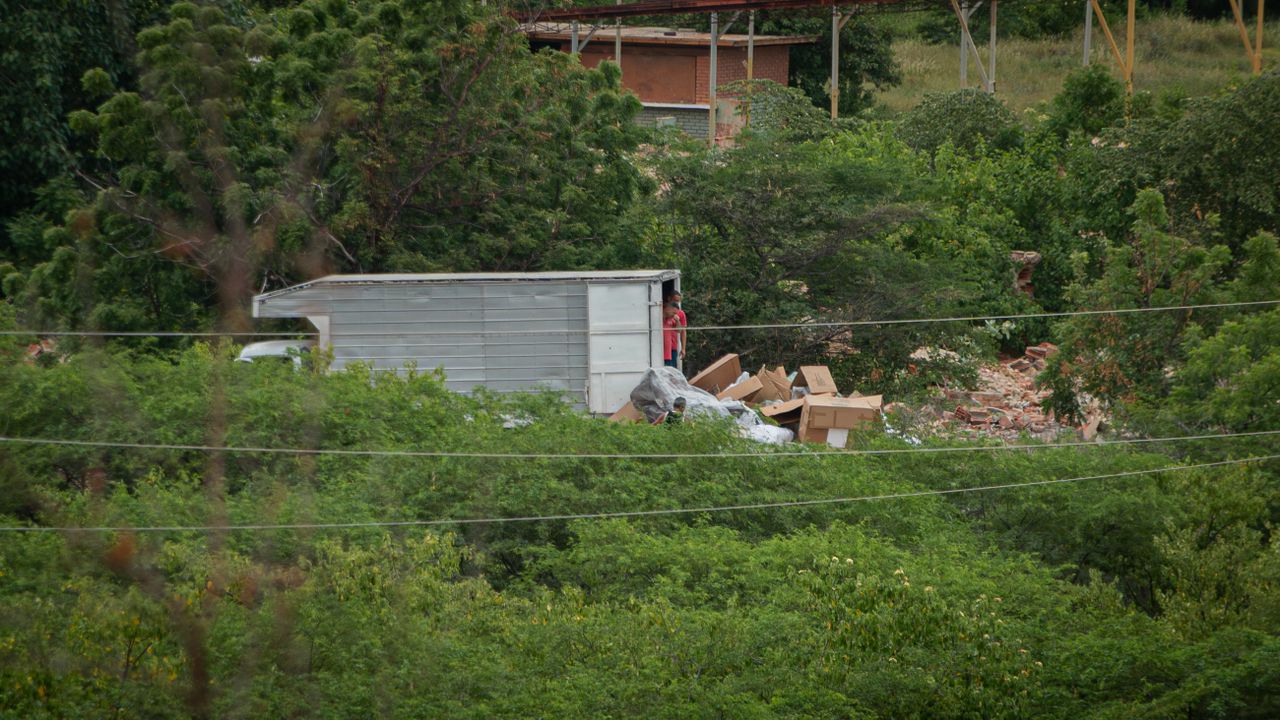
<point>685,7</point>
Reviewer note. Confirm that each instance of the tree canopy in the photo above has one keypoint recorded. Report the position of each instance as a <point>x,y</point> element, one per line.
<point>187,536</point>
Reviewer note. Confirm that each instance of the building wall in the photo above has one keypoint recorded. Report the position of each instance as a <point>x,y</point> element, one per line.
<point>659,74</point>
<point>692,121</point>
<point>772,62</point>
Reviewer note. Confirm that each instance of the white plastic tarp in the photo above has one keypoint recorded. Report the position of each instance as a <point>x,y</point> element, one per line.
<point>659,388</point>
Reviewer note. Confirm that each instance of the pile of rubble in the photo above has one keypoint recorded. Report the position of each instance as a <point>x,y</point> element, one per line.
<point>46,348</point>
<point>773,405</point>
<point>770,406</point>
<point>1007,404</point>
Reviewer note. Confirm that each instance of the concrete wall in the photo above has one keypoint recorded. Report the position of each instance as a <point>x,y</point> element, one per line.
<point>692,121</point>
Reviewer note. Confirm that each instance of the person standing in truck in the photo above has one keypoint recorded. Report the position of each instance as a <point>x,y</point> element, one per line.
<point>670,335</point>
<point>676,299</point>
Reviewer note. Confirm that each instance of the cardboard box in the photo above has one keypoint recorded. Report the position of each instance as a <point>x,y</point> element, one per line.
<point>628,413</point>
<point>828,419</point>
<point>875,402</point>
<point>744,391</point>
<point>784,412</point>
<point>817,378</point>
<point>718,375</point>
<point>773,385</point>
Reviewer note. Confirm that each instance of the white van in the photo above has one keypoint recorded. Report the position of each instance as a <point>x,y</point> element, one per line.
<point>276,350</point>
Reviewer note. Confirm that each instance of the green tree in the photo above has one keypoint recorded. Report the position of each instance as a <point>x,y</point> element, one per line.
<point>48,47</point>
<point>325,137</point>
<point>1222,568</point>
<point>779,231</point>
<point>1229,382</point>
<point>966,119</point>
<point>1091,100</point>
<point>866,58</point>
<point>1119,358</point>
<point>1213,160</point>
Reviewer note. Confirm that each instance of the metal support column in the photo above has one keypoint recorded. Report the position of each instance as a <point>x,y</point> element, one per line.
<point>751,63</point>
<point>1088,31</point>
<point>617,40</point>
<point>966,42</point>
<point>712,80</point>
<point>1126,67</point>
<point>835,62</point>
<point>991,52</point>
<point>964,49</point>
<point>1252,49</point>
<point>838,22</point>
<point>1128,47</point>
<point>1257,44</point>
<point>573,37</point>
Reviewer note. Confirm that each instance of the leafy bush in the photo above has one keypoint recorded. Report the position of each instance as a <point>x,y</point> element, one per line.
<point>1121,358</point>
<point>1213,162</point>
<point>957,606</point>
<point>1091,100</point>
<point>778,109</point>
<point>965,119</point>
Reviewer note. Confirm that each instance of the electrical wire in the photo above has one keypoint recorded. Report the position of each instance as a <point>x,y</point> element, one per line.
<point>623,456</point>
<point>976,318</point>
<point>139,333</point>
<point>617,514</point>
<point>692,328</point>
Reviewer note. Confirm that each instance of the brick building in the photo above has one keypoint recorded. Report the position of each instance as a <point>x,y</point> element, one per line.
<point>669,70</point>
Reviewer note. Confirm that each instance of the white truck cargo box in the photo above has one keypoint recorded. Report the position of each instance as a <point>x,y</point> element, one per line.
<point>590,335</point>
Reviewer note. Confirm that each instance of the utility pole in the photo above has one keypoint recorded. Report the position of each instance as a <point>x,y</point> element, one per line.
<point>835,61</point>
<point>1088,31</point>
<point>991,52</point>
<point>711,81</point>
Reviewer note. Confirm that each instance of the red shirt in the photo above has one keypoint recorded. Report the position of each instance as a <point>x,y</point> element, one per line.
<point>670,336</point>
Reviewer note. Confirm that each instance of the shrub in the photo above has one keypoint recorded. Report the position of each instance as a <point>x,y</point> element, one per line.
<point>964,118</point>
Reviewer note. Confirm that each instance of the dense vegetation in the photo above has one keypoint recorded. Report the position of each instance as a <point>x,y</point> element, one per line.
<point>1145,595</point>
<point>171,161</point>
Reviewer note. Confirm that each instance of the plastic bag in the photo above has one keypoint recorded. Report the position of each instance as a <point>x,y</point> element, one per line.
<point>771,434</point>
<point>659,388</point>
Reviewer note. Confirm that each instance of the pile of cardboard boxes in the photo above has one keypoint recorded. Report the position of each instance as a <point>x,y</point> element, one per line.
<point>808,403</point>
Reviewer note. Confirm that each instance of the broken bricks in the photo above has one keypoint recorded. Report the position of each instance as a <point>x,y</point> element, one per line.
<point>1041,351</point>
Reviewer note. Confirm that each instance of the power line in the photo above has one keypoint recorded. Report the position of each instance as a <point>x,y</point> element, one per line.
<point>621,456</point>
<point>692,328</point>
<point>138,333</point>
<point>625,513</point>
<point>976,318</point>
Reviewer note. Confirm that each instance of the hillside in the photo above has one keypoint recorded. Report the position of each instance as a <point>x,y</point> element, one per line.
<point>1070,317</point>
<point>1176,57</point>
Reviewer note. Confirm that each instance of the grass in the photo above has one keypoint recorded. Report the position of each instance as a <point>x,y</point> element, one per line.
<point>1174,55</point>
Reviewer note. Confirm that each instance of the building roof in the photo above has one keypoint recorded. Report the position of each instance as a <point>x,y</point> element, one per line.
<point>686,7</point>
<point>633,35</point>
<point>413,278</point>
